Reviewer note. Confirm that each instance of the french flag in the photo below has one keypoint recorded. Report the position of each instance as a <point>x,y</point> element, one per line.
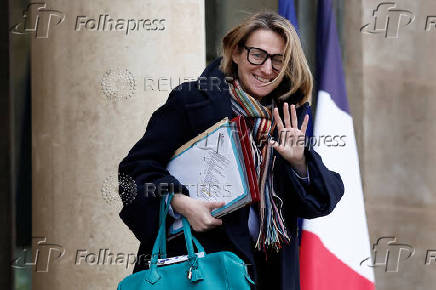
<point>333,247</point>
<point>287,10</point>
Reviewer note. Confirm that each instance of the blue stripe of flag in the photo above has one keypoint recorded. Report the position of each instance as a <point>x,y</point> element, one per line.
<point>329,62</point>
<point>287,10</point>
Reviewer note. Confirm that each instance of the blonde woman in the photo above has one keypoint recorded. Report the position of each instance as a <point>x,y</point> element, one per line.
<point>262,75</point>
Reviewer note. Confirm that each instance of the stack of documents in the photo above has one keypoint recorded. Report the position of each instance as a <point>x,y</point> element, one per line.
<point>218,165</point>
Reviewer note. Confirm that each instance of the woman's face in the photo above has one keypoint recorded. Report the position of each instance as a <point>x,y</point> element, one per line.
<point>256,79</point>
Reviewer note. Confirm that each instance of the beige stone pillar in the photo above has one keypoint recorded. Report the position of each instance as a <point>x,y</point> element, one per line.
<point>94,87</point>
<point>397,111</point>
<point>353,67</point>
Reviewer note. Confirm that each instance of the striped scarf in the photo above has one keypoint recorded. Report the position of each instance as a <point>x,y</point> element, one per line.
<point>272,232</point>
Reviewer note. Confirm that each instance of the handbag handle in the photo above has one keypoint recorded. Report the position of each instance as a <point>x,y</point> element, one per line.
<point>159,247</point>
<point>162,218</point>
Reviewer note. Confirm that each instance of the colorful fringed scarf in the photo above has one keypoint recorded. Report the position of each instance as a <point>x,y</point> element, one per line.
<point>259,119</point>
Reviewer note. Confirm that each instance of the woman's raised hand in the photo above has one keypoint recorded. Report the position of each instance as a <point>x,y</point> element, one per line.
<point>197,211</point>
<point>290,144</point>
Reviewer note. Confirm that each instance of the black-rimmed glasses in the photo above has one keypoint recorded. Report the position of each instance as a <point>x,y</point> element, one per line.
<point>258,56</point>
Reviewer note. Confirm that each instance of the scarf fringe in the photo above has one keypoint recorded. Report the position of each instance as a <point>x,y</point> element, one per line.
<point>272,232</point>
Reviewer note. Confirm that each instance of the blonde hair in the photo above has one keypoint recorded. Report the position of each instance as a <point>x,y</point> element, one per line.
<point>295,72</point>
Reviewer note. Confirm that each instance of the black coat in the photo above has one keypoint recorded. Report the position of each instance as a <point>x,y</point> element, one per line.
<point>191,108</point>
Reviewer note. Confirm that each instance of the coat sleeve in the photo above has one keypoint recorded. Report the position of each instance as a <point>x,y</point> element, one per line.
<point>146,164</point>
<point>316,199</point>
<point>308,200</point>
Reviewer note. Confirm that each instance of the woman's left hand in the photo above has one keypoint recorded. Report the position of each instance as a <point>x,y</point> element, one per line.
<point>291,140</point>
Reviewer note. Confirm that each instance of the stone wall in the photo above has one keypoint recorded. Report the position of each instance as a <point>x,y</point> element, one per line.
<point>94,87</point>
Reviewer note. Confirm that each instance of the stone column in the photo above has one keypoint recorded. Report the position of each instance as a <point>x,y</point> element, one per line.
<point>99,69</point>
<point>398,106</point>
<point>353,67</point>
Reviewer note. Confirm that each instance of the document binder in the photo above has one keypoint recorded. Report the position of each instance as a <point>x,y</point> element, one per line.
<point>217,165</point>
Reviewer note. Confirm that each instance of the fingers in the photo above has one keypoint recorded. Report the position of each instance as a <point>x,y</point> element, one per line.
<point>283,135</point>
<point>290,141</point>
<point>304,125</point>
<point>212,221</point>
<point>278,119</point>
<point>279,147</point>
<point>207,225</point>
<point>276,145</point>
<point>215,204</point>
<point>294,117</point>
<point>201,220</point>
<point>198,213</point>
<point>291,120</point>
<point>286,115</point>
<point>215,222</point>
<point>209,222</point>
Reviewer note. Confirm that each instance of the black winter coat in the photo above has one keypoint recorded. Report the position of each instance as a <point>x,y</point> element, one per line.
<point>191,108</point>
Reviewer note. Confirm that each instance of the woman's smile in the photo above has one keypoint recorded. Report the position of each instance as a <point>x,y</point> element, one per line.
<point>260,79</point>
<point>257,79</point>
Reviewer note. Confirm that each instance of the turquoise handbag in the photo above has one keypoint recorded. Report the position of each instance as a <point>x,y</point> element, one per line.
<point>214,271</point>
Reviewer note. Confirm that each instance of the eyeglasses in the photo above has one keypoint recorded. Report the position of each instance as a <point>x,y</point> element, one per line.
<point>258,56</point>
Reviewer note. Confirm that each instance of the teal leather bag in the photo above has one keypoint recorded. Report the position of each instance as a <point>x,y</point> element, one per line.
<point>214,271</point>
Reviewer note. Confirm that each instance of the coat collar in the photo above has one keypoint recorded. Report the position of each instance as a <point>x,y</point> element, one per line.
<point>213,84</point>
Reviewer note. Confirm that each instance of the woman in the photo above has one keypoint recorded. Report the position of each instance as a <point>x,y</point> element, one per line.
<point>262,75</point>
